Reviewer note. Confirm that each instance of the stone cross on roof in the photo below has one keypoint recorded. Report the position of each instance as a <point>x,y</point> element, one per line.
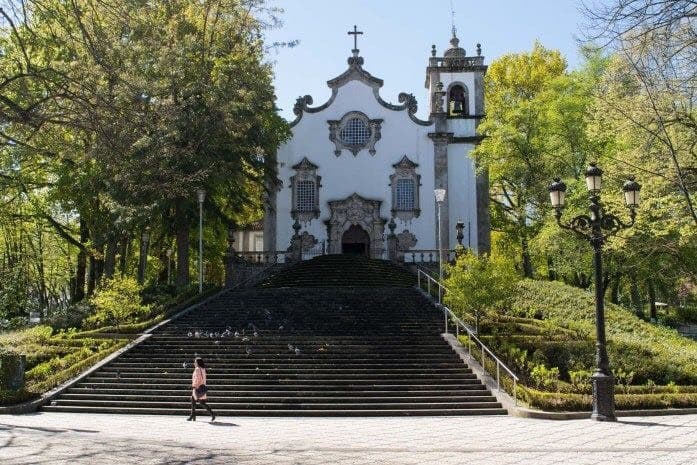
<point>355,33</point>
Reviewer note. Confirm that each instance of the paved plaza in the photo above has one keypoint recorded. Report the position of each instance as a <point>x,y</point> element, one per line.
<point>57,438</point>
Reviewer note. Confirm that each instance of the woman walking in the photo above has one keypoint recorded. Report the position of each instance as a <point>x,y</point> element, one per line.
<point>199,389</point>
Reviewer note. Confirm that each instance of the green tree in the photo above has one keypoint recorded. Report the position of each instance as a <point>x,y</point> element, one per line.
<point>534,130</point>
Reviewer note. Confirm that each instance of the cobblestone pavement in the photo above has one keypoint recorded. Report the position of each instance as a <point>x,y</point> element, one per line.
<point>58,438</point>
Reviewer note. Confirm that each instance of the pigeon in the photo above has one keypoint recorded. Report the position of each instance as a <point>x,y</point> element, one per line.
<point>248,350</point>
<point>228,329</point>
<point>256,334</point>
<point>197,334</point>
<point>297,351</point>
<point>237,334</point>
<point>184,365</point>
<point>280,328</point>
<point>217,342</point>
<point>245,339</point>
<point>290,347</point>
<point>190,334</point>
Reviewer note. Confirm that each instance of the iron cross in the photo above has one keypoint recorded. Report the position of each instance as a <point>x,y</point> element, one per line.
<point>355,34</point>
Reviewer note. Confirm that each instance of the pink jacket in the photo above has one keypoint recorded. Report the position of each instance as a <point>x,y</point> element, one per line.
<point>198,378</point>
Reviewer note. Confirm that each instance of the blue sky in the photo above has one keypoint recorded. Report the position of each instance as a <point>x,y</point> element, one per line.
<point>398,35</point>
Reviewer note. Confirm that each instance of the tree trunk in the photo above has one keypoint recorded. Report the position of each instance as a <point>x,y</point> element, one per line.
<point>110,258</point>
<point>551,274</point>
<point>527,262</point>
<point>636,297</point>
<point>81,267</point>
<point>652,299</point>
<point>615,289</point>
<point>181,226</point>
<point>125,240</point>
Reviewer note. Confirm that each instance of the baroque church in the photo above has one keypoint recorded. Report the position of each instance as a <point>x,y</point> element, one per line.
<point>359,173</point>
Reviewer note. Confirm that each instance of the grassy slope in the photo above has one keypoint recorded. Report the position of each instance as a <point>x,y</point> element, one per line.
<point>650,351</point>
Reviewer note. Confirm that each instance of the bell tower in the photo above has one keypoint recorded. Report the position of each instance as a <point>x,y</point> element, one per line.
<point>455,83</point>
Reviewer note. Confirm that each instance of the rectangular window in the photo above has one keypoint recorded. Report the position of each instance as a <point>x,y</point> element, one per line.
<point>405,195</point>
<point>305,196</point>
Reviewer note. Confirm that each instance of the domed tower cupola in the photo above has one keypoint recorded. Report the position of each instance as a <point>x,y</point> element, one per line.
<point>455,51</point>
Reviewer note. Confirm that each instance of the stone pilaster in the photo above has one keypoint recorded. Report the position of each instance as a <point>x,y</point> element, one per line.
<point>440,156</point>
<point>273,185</point>
<point>482,184</point>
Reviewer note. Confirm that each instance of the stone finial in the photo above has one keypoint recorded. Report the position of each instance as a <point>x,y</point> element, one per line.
<point>296,227</point>
<point>479,50</point>
<point>392,225</point>
<point>433,50</point>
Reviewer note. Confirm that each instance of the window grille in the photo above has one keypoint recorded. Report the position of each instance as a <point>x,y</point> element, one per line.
<point>405,194</point>
<point>355,132</point>
<point>305,196</point>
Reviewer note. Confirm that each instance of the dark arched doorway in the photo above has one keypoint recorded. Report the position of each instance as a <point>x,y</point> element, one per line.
<point>355,241</point>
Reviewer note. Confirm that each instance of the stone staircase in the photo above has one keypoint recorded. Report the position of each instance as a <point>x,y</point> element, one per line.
<point>325,351</point>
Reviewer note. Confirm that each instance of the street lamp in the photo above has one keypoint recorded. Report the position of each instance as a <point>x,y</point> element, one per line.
<point>201,194</point>
<point>596,228</point>
<point>440,198</point>
<point>169,253</point>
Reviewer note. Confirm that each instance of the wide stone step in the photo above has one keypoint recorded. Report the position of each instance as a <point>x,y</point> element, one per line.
<point>334,412</point>
<point>288,385</point>
<point>218,398</point>
<point>266,379</point>
<point>262,391</point>
<point>315,368</point>
<point>226,405</point>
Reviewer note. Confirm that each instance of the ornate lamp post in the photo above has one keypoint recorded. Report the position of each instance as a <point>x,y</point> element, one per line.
<point>596,228</point>
<point>201,194</point>
<point>440,198</point>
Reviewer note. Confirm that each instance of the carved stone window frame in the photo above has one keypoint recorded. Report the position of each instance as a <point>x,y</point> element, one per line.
<point>304,171</point>
<point>336,126</point>
<point>405,169</point>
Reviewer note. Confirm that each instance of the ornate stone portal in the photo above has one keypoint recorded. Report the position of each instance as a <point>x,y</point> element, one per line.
<point>356,211</point>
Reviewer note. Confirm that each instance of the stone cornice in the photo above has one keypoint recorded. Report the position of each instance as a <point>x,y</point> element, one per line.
<point>356,72</point>
<point>441,137</point>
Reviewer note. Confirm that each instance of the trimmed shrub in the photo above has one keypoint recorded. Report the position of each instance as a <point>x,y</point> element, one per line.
<point>117,302</point>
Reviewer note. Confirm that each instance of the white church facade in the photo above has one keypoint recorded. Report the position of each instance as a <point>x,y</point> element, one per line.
<point>358,174</point>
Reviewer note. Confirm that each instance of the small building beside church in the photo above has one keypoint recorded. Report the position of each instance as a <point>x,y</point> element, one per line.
<point>358,174</point>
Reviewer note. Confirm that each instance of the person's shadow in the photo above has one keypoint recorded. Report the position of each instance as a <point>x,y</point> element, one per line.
<point>223,423</point>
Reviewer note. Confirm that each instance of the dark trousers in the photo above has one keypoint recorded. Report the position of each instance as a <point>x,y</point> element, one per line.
<point>202,402</point>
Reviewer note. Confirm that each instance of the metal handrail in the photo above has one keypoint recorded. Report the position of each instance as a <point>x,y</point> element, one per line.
<point>471,334</point>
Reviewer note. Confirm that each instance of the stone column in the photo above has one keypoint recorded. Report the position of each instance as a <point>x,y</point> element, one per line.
<point>440,153</point>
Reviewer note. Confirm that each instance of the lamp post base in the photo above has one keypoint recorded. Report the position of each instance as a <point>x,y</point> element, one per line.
<point>603,397</point>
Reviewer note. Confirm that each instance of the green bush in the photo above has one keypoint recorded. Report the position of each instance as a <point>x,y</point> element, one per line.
<point>480,283</point>
<point>117,302</point>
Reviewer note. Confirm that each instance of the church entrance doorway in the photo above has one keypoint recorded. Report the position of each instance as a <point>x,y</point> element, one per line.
<point>355,241</point>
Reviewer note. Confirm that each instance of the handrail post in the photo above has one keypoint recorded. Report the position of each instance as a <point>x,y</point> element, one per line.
<point>445,317</point>
<point>498,376</point>
<point>418,278</point>
<point>429,286</point>
<point>515,392</point>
